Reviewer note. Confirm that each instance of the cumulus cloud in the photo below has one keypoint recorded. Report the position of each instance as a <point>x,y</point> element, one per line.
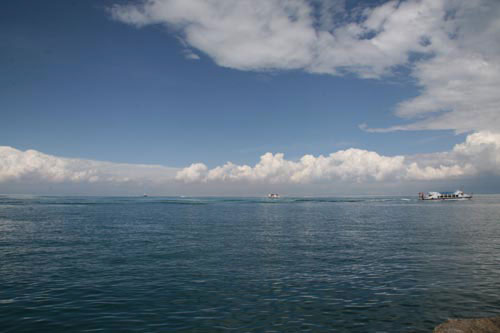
<point>17,165</point>
<point>479,153</point>
<point>349,165</point>
<point>451,47</point>
<point>192,173</point>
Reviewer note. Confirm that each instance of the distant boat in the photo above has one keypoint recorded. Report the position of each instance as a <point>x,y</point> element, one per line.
<point>273,195</point>
<point>457,195</point>
<point>145,195</point>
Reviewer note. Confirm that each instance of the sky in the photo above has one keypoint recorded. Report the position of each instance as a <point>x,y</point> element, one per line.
<point>219,97</point>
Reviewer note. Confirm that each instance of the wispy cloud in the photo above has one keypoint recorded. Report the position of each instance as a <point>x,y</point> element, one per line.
<point>188,54</point>
<point>451,47</point>
<point>261,34</point>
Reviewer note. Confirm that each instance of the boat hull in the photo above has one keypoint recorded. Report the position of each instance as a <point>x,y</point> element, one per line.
<point>446,199</point>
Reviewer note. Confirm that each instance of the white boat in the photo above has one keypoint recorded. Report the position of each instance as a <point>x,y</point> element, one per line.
<point>273,195</point>
<point>457,195</point>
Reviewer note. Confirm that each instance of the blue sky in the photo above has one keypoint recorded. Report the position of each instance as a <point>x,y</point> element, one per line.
<point>89,80</point>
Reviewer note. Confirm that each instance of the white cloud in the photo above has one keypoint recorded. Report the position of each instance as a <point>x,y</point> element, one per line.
<point>192,173</point>
<point>188,54</point>
<point>452,47</point>
<point>17,165</point>
<point>345,165</point>
<point>479,153</point>
<point>242,34</point>
<point>279,34</point>
<point>481,150</point>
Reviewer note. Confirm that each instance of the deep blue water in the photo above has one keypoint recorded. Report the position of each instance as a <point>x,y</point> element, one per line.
<point>84,264</point>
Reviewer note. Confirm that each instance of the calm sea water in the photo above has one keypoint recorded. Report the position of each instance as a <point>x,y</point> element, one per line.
<point>86,264</point>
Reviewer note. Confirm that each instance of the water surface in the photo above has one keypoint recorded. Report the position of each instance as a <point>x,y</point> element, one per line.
<point>382,264</point>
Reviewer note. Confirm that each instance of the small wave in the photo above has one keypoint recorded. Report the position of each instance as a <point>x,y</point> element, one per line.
<point>329,200</point>
<point>179,202</point>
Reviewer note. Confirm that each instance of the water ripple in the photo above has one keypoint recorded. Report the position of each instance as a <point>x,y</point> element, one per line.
<point>245,264</point>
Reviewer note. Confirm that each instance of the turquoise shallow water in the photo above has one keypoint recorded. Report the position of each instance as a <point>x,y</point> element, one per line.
<point>379,264</point>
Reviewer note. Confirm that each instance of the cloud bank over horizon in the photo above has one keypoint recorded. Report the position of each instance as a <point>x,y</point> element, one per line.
<point>451,48</point>
<point>34,166</point>
<point>479,154</point>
